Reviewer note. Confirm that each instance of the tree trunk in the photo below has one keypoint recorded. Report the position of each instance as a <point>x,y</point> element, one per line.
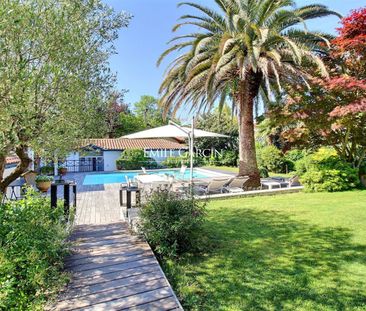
<point>247,154</point>
<point>21,168</point>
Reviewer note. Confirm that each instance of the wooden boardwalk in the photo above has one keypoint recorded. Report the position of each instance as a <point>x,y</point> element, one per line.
<point>111,268</point>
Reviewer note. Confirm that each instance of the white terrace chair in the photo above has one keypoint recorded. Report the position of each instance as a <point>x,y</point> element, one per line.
<point>292,182</point>
<point>216,185</point>
<point>236,184</point>
<point>130,182</point>
<point>143,170</point>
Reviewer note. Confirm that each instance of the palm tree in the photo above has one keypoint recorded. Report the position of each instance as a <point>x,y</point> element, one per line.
<point>246,49</point>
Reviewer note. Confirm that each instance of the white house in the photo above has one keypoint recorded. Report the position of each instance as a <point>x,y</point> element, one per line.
<point>101,154</point>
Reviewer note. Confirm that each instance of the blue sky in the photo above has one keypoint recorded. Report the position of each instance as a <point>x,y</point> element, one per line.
<point>140,45</point>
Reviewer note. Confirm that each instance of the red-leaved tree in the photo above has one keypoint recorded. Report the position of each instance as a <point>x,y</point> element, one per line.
<point>332,112</point>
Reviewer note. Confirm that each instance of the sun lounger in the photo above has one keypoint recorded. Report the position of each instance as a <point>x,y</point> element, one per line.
<point>216,185</point>
<point>236,184</point>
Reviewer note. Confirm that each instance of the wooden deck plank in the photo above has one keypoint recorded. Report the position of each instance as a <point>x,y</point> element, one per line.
<point>113,275</point>
<point>89,289</point>
<point>117,293</point>
<point>101,234</point>
<point>75,260</point>
<point>165,304</point>
<point>109,262</point>
<point>79,254</point>
<point>111,269</point>
<point>131,301</point>
<point>115,268</point>
<point>105,242</point>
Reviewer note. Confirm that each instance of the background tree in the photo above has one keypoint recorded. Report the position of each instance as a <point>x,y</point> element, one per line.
<point>147,109</point>
<point>114,108</point>
<point>246,47</point>
<point>333,111</point>
<point>54,75</point>
<point>130,123</point>
<point>219,121</point>
<point>144,114</point>
<point>350,45</point>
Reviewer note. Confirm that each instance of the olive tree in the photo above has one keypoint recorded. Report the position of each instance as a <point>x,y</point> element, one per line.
<point>54,75</point>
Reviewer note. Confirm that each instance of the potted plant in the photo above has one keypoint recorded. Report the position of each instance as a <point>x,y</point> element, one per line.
<point>47,170</point>
<point>43,182</point>
<point>62,170</point>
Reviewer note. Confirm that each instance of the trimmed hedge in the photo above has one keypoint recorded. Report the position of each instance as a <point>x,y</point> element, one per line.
<point>134,159</point>
<point>175,162</point>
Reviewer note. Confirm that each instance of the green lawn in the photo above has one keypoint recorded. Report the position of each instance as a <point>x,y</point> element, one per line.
<point>235,170</point>
<point>290,252</point>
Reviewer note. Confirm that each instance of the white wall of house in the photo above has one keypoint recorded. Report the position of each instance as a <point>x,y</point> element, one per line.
<point>110,158</point>
<point>73,156</point>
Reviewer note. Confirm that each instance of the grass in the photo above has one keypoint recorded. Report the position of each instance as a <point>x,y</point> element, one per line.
<point>290,252</point>
<point>232,169</point>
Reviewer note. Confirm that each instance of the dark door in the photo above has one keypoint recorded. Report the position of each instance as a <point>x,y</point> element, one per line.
<point>94,164</point>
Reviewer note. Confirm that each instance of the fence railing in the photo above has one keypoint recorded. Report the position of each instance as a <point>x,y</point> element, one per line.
<point>85,165</point>
<point>13,193</point>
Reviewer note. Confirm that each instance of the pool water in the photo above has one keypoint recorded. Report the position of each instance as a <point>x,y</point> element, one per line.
<point>116,178</point>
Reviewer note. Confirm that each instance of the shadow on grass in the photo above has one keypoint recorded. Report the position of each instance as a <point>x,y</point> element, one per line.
<point>262,260</point>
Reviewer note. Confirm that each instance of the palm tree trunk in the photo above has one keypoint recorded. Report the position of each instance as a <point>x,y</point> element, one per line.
<point>247,154</point>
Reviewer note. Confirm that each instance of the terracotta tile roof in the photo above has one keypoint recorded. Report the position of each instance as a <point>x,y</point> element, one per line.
<point>124,143</point>
<point>12,160</point>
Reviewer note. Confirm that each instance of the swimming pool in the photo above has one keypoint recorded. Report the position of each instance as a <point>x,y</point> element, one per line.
<point>116,178</point>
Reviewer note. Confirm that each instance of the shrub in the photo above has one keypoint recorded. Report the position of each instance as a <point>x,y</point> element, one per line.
<point>263,172</point>
<point>362,170</point>
<point>184,159</point>
<point>173,162</point>
<point>302,165</point>
<point>326,171</point>
<point>271,158</point>
<point>32,236</point>
<point>134,159</point>
<point>44,178</point>
<point>295,155</point>
<point>172,225</point>
<point>47,170</point>
<point>228,158</point>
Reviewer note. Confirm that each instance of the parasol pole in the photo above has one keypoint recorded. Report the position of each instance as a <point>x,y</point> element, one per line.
<point>191,150</point>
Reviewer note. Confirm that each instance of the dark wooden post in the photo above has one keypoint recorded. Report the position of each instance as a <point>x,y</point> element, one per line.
<point>121,197</point>
<point>129,203</point>
<point>74,193</point>
<point>53,195</point>
<point>66,199</point>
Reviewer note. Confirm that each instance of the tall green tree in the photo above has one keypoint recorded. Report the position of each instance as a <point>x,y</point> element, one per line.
<point>244,49</point>
<point>54,74</point>
<point>130,123</point>
<point>147,109</point>
<point>219,121</point>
